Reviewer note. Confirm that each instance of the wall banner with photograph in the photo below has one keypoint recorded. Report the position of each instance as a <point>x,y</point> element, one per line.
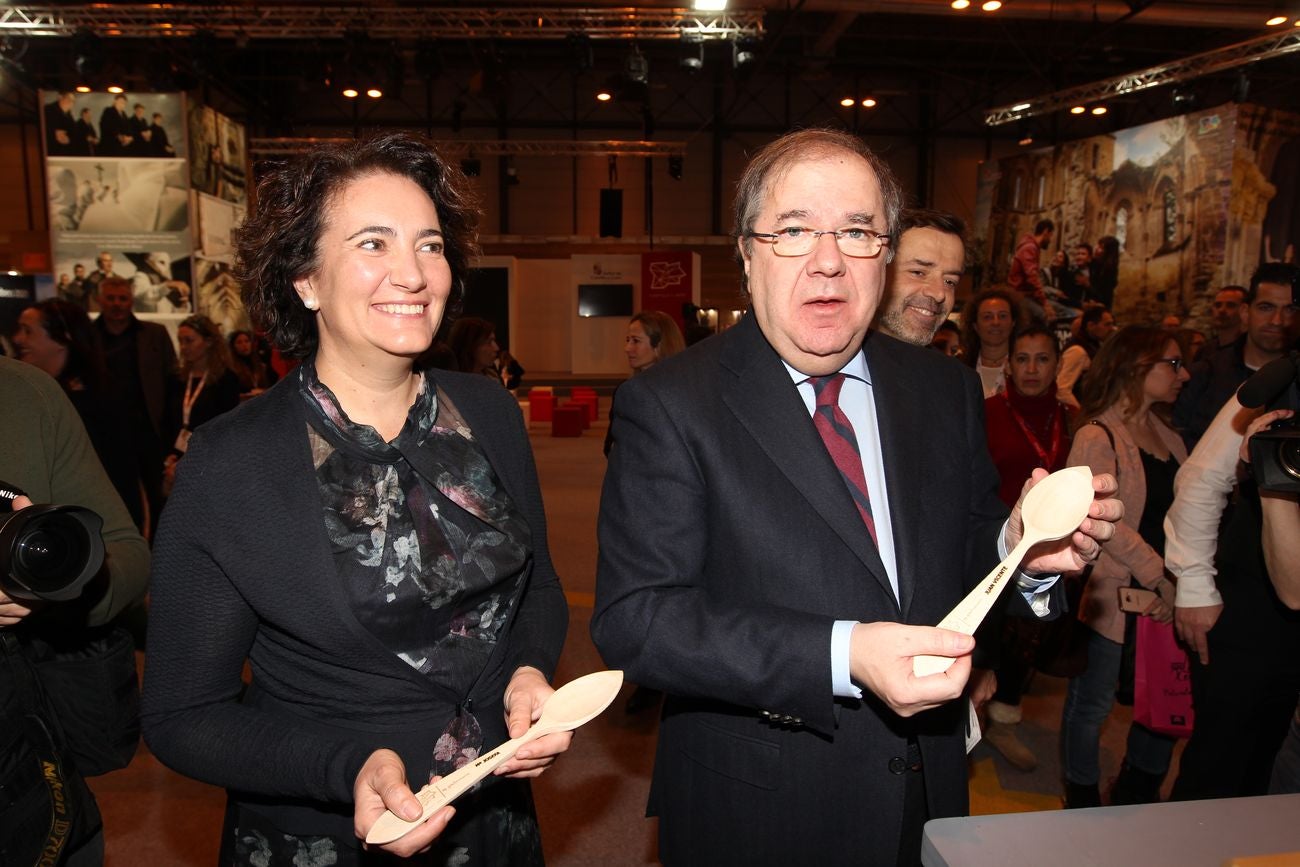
<point>1192,203</point>
<point>220,155</point>
<point>119,197</point>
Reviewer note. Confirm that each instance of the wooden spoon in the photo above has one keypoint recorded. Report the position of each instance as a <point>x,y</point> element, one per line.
<point>577,702</point>
<point>1053,509</point>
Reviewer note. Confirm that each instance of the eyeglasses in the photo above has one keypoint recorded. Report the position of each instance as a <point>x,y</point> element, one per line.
<point>1176,363</point>
<point>800,240</point>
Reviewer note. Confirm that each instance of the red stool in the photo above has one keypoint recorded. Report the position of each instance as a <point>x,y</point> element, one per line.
<point>568,420</point>
<point>589,402</point>
<point>540,406</point>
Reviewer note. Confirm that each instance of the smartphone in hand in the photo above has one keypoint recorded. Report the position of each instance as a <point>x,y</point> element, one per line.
<point>1136,600</point>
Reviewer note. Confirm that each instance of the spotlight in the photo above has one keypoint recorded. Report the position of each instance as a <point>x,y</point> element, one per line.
<point>351,92</point>
<point>1275,20</point>
<point>675,168</point>
<point>1078,109</point>
<point>1182,100</point>
<point>374,93</point>
<point>512,175</point>
<point>88,53</point>
<point>83,88</point>
<point>991,5</point>
<point>636,67</point>
<point>848,102</point>
<point>115,89</point>
<point>692,57</point>
<point>709,5</point>
<point>604,95</point>
<point>471,167</point>
<point>1027,133</point>
<point>961,4</point>
<point>868,103</point>
<point>1099,110</point>
<point>742,55</point>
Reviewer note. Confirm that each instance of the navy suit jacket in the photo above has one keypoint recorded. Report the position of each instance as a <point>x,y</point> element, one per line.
<point>729,545</point>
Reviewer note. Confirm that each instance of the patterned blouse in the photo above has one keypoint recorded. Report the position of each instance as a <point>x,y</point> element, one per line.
<point>431,551</point>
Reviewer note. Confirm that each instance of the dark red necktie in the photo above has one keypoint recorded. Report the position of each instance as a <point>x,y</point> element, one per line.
<point>842,443</point>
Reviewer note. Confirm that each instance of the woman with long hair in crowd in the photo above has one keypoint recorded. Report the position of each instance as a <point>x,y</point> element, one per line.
<point>474,343</point>
<point>1093,327</point>
<point>254,374</point>
<point>987,322</point>
<point>1124,430</point>
<point>386,576</point>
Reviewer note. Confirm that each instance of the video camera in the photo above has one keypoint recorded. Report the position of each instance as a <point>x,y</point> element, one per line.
<point>1275,453</point>
<point>47,552</point>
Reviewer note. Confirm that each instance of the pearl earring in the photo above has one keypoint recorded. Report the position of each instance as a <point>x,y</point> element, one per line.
<point>310,303</point>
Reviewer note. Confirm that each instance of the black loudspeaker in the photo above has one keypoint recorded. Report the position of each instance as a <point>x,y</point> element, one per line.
<point>611,213</point>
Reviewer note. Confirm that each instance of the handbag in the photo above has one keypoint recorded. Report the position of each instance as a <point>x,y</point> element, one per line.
<point>94,691</point>
<point>46,811</point>
<point>1162,681</point>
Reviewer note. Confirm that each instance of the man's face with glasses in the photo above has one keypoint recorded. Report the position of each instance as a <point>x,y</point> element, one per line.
<point>814,295</point>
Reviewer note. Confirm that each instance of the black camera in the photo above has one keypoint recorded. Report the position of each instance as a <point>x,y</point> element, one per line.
<point>1275,453</point>
<point>48,552</point>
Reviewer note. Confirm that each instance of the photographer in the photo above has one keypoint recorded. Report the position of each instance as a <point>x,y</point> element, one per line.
<point>55,687</point>
<point>1246,667</point>
<point>1281,541</point>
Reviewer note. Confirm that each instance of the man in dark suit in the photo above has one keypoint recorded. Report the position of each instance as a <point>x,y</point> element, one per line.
<point>115,130</point>
<point>770,569</point>
<point>141,363</point>
<point>60,126</point>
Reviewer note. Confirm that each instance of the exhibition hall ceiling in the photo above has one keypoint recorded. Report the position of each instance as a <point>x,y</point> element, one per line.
<point>508,71</point>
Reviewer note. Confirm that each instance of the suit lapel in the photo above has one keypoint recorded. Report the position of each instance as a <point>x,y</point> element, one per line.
<point>765,401</point>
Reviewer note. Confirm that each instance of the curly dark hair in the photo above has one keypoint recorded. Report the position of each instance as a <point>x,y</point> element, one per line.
<point>68,325</point>
<point>970,340</point>
<point>279,241</point>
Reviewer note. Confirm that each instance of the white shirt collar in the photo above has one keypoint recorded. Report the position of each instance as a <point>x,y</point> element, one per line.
<point>855,367</point>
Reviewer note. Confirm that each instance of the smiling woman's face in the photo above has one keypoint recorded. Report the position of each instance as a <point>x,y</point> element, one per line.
<point>36,346</point>
<point>382,281</point>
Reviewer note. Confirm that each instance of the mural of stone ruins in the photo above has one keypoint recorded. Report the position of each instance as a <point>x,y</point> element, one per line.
<point>1196,202</point>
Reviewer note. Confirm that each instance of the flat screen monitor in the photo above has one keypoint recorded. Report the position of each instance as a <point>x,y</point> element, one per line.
<point>604,299</point>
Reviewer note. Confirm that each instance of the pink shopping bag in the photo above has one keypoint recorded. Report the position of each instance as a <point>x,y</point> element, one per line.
<point>1162,683</point>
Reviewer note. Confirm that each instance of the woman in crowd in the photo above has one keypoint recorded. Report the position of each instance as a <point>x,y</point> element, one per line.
<point>254,374</point>
<point>988,321</point>
<point>386,575</point>
<point>1092,328</point>
<point>1027,428</point>
<point>474,343</point>
<point>652,336</point>
<point>207,387</point>
<point>57,337</point>
<point>1124,430</point>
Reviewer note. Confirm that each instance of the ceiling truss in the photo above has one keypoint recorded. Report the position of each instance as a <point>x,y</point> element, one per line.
<point>1196,66</point>
<point>337,20</point>
<point>274,147</point>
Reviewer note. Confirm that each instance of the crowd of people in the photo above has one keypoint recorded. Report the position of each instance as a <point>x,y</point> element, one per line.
<point>368,532</point>
<point>71,132</point>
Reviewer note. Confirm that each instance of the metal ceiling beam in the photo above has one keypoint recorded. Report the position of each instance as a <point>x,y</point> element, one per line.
<point>1196,66</point>
<point>328,21</point>
<point>272,147</point>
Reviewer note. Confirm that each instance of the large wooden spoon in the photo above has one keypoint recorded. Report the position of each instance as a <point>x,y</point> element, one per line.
<point>577,702</point>
<point>1053,509</point>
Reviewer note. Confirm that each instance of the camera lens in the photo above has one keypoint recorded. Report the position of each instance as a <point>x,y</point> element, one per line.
<point>1288,455</point>
<point>51,552</point>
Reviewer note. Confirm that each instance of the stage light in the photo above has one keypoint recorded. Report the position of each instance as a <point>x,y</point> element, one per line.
<point>848,102</point>
<point>868,103</point>
<point>83,88</point>
<point>961,4</point>
<point>1099,110</point>
<point>692,59</point>
<point>636,67</point>
<point>351,92</point>
<point>115,89</point>
<point>991,5</point>
<point>604,95</point>
<point>12,273</point>
<point>709,5</point>
<point>741,55</point>
<point>374,93</point>
<point>1020,106</point>
<point>1275,20</point>
<point>1078,109</point>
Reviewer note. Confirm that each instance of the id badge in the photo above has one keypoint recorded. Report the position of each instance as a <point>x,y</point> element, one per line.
<point>183,440</point>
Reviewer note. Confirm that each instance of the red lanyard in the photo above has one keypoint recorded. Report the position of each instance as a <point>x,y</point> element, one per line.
<point>1048,459</point>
